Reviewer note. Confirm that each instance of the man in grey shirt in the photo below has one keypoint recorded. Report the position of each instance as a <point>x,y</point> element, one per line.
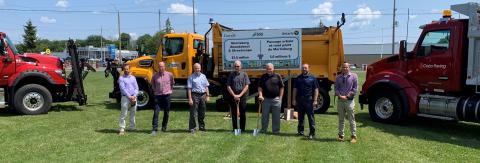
<point>237,86</point>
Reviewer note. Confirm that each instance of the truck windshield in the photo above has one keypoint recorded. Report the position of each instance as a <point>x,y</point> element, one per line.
<point>173,46</point>
<point>11,45</point>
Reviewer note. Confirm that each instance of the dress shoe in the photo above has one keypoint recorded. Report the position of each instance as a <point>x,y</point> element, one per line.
<point>353,140</point>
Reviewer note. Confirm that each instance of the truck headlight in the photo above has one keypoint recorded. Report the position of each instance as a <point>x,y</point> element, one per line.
<point>60,72</point>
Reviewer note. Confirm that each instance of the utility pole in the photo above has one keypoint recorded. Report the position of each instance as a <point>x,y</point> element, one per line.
<point>102,56</point>
<point>408,21</point>
<point>393,28</point>
<point>193,10</point>
<point>381,50</point>
<point>119,38</point>
<point>159,20</point>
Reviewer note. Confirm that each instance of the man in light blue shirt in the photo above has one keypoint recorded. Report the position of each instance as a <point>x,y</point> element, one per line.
<point>198,95</point>
<point>129,89</point>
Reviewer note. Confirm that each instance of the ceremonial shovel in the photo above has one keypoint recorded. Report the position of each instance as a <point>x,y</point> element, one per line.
<point>237,131</point>
<point>256,131</point>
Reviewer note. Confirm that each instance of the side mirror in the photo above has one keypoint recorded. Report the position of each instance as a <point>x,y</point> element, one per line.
<point>402,50</point>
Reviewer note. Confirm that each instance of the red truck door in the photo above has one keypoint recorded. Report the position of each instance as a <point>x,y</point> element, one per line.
<point>431,69</point>
<point>7,63</point>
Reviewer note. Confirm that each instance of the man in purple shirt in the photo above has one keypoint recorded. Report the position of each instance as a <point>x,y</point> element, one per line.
<point>162,85</point>
<point>129,89</point>
<point>345,89</point>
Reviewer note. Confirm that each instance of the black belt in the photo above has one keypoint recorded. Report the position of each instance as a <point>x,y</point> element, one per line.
<point>198,93</point>
<point>305,95</point>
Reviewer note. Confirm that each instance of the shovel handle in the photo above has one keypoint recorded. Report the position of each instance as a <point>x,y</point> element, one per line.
<point>238,108</point>
<point>259,108</point>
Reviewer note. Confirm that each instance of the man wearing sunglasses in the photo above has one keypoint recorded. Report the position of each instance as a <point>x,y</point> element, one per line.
<point>345,90</point>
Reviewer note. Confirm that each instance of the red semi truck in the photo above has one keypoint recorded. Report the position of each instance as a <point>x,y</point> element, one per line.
<point>439,79</point>
<point>31,82</point>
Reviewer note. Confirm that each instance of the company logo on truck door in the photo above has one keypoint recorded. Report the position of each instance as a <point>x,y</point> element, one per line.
<point>173,65</point>
<point>434,66</point>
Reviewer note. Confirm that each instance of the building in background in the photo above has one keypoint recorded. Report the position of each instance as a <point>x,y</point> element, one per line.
<point>98,54</point>
<point>365,54</point>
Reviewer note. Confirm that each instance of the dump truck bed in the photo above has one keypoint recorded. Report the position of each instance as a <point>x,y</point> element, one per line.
<point>322,48</point>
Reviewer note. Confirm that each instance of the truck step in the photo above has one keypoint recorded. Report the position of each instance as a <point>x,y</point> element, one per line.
<point>436,117</point>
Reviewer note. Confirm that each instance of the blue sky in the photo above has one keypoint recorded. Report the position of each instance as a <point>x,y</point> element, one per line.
<point>365,20</point>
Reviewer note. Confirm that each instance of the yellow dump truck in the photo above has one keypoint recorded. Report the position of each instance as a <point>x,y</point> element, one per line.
<point>321,47</point>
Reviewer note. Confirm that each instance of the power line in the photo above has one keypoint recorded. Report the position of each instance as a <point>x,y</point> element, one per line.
<point>201,13</point>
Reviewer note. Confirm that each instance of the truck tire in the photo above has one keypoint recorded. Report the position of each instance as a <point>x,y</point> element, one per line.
<point>386,106</point>
<point>323,102</point>
<point>32,99</point>
<point>144,98</point>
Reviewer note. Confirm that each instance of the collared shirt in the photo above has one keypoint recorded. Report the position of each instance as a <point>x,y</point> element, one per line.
<point>197,82</point>
<point>271,84</point>
<point>306,85</point>
<point>128,85</point>
<point>237,81</point>
<point>162,83</point>
<point>346,84</point>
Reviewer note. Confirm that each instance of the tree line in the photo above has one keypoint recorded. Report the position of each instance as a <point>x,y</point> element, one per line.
<point>145,44</point>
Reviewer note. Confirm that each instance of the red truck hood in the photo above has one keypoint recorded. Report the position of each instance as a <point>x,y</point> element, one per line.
<point>40,59</point>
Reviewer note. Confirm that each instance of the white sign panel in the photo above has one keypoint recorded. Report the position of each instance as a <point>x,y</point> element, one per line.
<point>255,48</point>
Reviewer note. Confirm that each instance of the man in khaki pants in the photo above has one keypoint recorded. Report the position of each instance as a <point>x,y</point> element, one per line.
<point>129,89</point>
<point>345,90</point>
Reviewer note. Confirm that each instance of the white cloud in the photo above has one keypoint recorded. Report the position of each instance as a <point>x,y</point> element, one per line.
<point>180,8</point>
<point>62,3</point>
<point>413,16</point>
<point>364,16</point>
<point>290,1</point>
<point>323,12</point>
<point>2,2</point>
<point>45,19</point>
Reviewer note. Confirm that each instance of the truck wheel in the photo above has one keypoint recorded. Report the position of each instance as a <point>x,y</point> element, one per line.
<point>221,105</point>
<point>144,97</point>
<point>323,102</point>
<point>32,99</point>
<point>386,107</point>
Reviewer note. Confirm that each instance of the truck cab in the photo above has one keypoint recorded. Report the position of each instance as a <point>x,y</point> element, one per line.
<point>179,51</point>
<point>30,82</point>
<point>432,80</point>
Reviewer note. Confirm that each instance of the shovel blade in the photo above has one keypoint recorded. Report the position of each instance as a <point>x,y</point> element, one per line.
<point>237,131</point>
<point>255,132</point>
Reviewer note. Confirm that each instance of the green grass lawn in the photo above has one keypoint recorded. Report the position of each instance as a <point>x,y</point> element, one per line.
<point>79,134</point>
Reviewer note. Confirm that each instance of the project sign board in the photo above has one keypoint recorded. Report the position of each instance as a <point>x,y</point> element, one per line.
<point>255,48</point>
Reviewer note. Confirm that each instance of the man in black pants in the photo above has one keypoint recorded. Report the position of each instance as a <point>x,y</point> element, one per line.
<point>305,93</point>
<point>237,86</point>
<point>162,85</point>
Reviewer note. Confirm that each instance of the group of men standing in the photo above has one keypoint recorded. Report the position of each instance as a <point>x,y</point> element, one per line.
<point>270,94</point>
